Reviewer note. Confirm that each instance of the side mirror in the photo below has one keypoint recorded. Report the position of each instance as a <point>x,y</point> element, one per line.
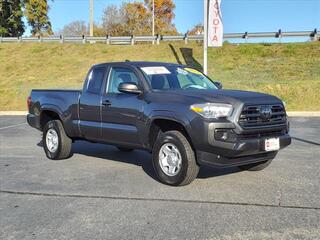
<point>129,88</point>
<point>218,85</point>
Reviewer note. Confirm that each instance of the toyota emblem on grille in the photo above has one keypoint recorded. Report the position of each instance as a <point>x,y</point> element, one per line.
<point>265,112</point>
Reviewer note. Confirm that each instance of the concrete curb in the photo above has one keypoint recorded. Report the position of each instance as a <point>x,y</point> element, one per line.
<point>13,113</point>
<point>303,114</point>
<point>290,114</point>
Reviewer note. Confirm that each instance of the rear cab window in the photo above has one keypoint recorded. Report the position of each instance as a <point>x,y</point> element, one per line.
<point>95,79</point>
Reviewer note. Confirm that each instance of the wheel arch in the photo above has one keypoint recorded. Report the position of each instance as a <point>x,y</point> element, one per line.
<point>163,124</point>
<point>49,113</point>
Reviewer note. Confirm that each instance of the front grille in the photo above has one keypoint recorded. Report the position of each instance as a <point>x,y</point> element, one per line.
<point>259,115</point>
<point>270,134</point>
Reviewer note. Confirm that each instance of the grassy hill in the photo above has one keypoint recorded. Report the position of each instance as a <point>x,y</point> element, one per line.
<point>290,71</point>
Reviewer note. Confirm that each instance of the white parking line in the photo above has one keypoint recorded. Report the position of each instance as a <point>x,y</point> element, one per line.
<point>16,125</point>
<point>16,156</point>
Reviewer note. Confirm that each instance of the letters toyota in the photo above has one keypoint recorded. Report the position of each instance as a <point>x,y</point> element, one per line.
<point>174,111</point>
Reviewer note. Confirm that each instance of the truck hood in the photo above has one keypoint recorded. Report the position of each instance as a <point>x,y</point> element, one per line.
<point>222,96</point>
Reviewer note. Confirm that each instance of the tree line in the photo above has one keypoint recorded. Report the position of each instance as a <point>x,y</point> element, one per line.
<point>130,18</point>
<point>35,13</point>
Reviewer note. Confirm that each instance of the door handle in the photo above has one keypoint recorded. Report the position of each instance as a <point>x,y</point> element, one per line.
<point>106,103</point>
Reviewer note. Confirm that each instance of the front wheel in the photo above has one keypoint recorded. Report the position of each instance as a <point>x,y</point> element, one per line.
<point>56,144</point>
<point>174,159</point>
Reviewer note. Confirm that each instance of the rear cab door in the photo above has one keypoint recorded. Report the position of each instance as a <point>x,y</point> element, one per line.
<point>90,103</point>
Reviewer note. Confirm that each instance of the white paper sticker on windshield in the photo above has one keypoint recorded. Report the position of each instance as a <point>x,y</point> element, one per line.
<point>155,70</point>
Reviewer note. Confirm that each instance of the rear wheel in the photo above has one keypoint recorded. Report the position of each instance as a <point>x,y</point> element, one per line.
<point>256,166</point>
<point>174,159</point>
<point>57,145</point>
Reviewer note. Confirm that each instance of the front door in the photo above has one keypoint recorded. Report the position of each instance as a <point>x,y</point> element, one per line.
<point>121,112</point>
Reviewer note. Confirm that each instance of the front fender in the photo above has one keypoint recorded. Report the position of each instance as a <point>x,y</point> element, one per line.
<point>167,115</point>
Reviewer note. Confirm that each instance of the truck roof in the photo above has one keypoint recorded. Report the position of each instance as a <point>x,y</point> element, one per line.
<point>141,64</point>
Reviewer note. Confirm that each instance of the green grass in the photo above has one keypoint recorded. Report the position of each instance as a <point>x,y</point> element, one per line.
<point>290,71</point>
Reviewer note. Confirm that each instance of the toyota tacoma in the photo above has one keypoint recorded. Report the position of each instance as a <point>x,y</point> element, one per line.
<point>177,113</point>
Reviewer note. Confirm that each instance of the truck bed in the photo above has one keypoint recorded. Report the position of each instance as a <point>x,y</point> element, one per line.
<point>61,100</point>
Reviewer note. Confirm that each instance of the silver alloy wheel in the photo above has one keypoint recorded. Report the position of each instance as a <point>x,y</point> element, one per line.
<point>170,159</point>
<point>52,140</point>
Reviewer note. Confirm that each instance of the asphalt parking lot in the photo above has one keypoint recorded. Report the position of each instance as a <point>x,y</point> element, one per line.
<point>101,193</point>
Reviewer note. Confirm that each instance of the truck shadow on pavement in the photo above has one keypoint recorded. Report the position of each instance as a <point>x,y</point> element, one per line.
<point>137,157</point>
<point>306,141</point>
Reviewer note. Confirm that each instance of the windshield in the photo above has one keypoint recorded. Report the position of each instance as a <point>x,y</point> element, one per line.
<point>176,78</point>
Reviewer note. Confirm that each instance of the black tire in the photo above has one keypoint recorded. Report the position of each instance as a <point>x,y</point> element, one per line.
<point>256,166</point>
<point>64,142</point>
<point>189,167</point>
<point>124,149</point>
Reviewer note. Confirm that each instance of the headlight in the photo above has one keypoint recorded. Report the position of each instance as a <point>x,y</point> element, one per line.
<point>212,110</point>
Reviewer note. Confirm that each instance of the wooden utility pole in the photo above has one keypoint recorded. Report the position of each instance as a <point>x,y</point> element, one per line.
<point>91,18</point>
<point>153,20</point>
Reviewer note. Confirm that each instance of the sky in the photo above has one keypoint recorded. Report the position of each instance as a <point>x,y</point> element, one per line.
<point>238,15</point>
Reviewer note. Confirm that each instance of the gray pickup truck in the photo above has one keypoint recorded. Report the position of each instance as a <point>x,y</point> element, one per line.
<point>174,111</point>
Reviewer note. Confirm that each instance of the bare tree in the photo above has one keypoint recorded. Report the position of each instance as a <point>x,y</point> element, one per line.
<point>113,20</point>
<point>76,28</point>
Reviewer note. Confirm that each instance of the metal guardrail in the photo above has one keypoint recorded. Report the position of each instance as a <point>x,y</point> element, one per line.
<point>313,35</point>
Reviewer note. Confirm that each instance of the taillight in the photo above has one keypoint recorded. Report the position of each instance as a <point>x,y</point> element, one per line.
<point>28,102</point>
